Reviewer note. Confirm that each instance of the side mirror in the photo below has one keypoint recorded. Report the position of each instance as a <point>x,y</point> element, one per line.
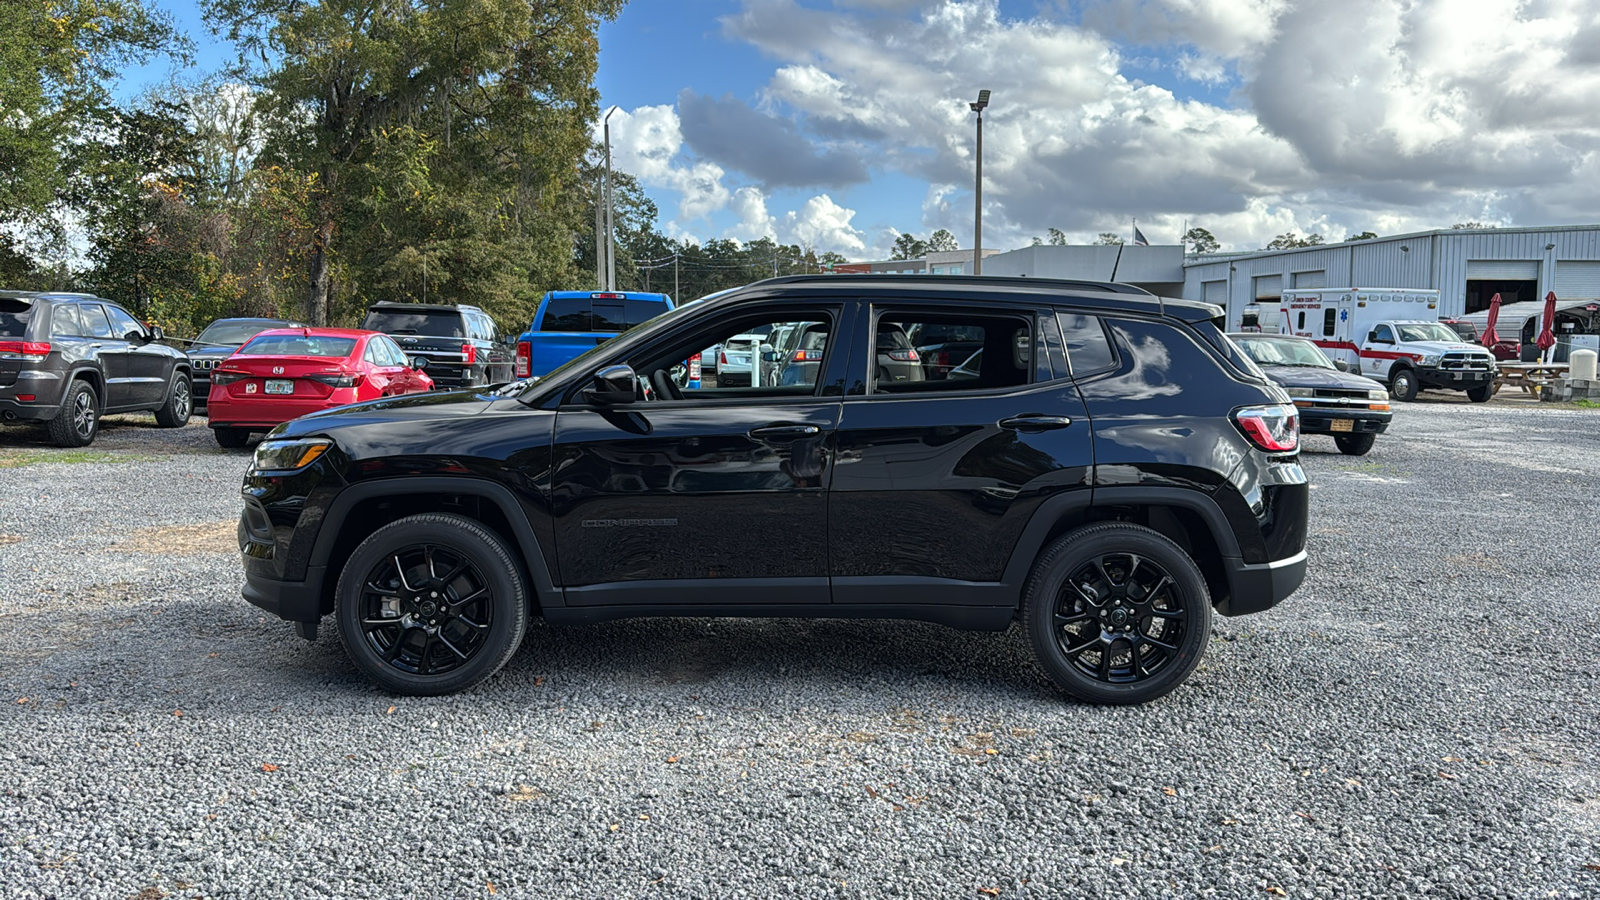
<point>614,384</point>
<point>1341,365</point>
<point>770,356</point>
<point>419,363</point>
<point>156,333</point>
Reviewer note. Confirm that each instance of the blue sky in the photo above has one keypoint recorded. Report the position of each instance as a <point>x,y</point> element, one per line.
<point>839,123</point>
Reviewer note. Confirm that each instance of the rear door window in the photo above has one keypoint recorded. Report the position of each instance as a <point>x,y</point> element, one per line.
<point>921,351</point>
<point>14,316</point>
<point>64,321</point>
<point>444,323</point>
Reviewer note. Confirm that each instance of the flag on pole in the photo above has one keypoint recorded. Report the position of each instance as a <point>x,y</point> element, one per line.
<point>1139,239</point>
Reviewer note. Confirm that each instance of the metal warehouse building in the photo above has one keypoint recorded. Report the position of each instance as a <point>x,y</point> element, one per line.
<point>1466,266</point>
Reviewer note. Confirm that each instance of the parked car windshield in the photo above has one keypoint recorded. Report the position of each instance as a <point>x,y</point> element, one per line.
<point>298,345</point>
<point>1429,331</point>
<point>434,323</point>
<point>235,331</point>
<point>14,317</point>
<point>1284,352</point>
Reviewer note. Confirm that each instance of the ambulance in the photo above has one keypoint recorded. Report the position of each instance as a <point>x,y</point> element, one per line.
<point>1392,335</point>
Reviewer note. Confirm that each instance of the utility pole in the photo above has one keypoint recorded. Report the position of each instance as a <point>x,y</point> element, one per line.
<point>675,294</point>
<point>978,107</point>
<point>600,236</point>
<point>611,235</point>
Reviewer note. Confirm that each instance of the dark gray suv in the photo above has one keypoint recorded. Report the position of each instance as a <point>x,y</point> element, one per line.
<point>68,359</point>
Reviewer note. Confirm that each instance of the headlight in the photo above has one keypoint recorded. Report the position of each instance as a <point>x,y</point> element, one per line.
<point>1301,391</point>
<point>1431,360</point>
<point>1378,395</point>
<point>289,455</point>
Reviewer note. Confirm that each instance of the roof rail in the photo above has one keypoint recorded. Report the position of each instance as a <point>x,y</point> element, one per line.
<point>1112,287</point>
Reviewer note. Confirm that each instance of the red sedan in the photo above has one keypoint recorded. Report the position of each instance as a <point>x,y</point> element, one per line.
<point>285,373</point>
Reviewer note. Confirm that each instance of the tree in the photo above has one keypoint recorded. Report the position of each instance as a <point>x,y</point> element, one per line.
<point>56,60</point>
<point>1289,240</point>
<point>1201,240</point>
<point>909,246</point>
<point>1058,238</point>
<point>1459,226</point>
<point>442,142</point>
<point>941,241</point>
<point>1363,236</point>
<point>1107,239</point>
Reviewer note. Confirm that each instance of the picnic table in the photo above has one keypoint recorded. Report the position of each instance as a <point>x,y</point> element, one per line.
<point>1532,377</point>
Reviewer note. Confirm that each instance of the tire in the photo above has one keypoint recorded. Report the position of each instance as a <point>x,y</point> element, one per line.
<point>1354,444</point>
<point>393,609</point>
<point>79,419</point>
<point>1481,394</point>
<point>1076,599</point>
<point>180,403</point>
<point>1403,385</point>
<point>232,438</point>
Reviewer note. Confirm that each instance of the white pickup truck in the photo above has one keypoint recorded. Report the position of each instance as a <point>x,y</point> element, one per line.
<point>1383,335</point>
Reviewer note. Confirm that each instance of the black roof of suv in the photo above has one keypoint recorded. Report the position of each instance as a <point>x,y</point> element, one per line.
<point>1109,469</point>
<point>67,359</point>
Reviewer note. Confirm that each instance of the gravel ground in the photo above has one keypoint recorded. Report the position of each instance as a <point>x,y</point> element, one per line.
<point>1418,720</point>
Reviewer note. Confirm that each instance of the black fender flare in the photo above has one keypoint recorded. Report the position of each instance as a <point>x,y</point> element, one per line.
<point>1032,541</point>
<point>498,494</point>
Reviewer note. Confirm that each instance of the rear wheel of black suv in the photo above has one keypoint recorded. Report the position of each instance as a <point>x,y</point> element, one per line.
<point>1117,613</point>
<point>180,403</point>
<point>431,604</point>
<point>79,419</point>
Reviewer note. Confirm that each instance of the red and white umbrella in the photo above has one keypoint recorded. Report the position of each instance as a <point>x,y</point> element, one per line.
<point>1547,337</point>
<point>1489,337</point>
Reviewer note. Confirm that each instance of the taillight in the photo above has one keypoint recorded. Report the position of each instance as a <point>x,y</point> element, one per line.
<point>524,359</point>
<point>902,355</point>
<point>722,358</point>
<point>470,352</point>
<point>806,356</point>
<point>225,376</point>
<point>942,359</point>
<point>1274,428</point>
<point>32,351</point>
<point>338,381</point>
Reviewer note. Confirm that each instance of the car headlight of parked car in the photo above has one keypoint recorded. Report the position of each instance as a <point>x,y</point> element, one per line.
<point>289,455</point>
<point>1377,394</point>
<point>1431,359</point>
<point>1301,391</point>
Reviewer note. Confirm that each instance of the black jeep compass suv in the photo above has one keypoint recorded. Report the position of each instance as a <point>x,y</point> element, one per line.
<point>1108,471</point>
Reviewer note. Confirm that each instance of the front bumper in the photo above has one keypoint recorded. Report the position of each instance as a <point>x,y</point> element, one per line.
<point>1315,420</point>
<point>1457,379</point>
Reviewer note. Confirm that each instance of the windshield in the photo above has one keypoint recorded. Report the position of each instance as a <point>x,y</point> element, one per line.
<point>237,331</point>
<point>1428,331</point>
<point>298,345</point>
<point>1284,352</point>
<point>444,323</point>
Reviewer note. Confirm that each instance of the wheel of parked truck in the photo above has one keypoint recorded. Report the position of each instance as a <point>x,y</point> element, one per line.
<point>1481,394</point>
<point>1403,385</point>
<point>431,604</point>
<point>1117,613</point>
<point>180,403</point>
<point>79,419</point>
<point>232,438</point>
<point>1354,444</point>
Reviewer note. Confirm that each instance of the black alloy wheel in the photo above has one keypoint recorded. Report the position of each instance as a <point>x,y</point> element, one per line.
<point>180,403</point>
<point>1117,613</point>
<point>79,419</point>
<point>431,604</point>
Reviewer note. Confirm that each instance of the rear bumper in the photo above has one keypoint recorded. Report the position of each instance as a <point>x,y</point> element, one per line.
<point>45,387</point>
<point>263,413</point>
<point>14,411</point>
<point>1259,587</point>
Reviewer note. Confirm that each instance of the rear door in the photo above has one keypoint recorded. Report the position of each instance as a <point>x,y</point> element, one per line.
<point>710,496</point>
<point>938,477</point>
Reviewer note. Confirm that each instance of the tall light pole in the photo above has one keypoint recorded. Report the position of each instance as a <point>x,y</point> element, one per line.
<point>978,107</point>
<point>611,234</point>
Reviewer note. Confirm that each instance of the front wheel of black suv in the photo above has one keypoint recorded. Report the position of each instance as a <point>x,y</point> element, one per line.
<point>1354,444</point>
<point>1117,613</point>
<point>180,403</point>
<point>79,419</point>
<point>431,604</point>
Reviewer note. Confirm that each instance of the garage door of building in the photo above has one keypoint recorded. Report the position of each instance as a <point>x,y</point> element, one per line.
<point>1217,292</point>
<point>1317,279</point>
<point>1269,287</point>
<point>1577,279</point>
<point>1502,269</point>
<point>1515,280</point>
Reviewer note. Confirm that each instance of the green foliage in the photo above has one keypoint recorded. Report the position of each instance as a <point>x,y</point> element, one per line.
<point>1201,240</point>
<point>942,241</point>
<point>1363,236</point>
<point>909,246</point>
<point>1107,239</point>
<point>1058,238</point>
<point>1289,240</point>
<point>1460,226</point>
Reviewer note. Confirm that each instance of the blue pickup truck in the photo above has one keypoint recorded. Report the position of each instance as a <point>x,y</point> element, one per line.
<point>569,323</point>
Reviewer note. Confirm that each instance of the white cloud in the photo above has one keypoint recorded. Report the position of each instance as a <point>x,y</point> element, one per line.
<point>647,143</point>
<point>823,224</point>
<point>754,221</point>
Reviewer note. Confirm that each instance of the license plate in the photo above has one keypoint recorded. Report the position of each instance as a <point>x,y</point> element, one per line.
<point>280,385</point>
<point>1343,425</point>
<point>1460,375</point>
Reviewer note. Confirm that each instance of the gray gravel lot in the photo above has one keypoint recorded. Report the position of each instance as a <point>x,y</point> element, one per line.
<point>1418,720</point>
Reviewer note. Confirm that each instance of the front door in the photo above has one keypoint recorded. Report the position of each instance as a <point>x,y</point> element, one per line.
<point>697,496</point>
<point>149,365</point>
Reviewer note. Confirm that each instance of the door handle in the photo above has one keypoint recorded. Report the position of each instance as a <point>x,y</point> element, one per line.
<point>1035,422</point>
<point>95,346</point>
<point>784,432</point>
